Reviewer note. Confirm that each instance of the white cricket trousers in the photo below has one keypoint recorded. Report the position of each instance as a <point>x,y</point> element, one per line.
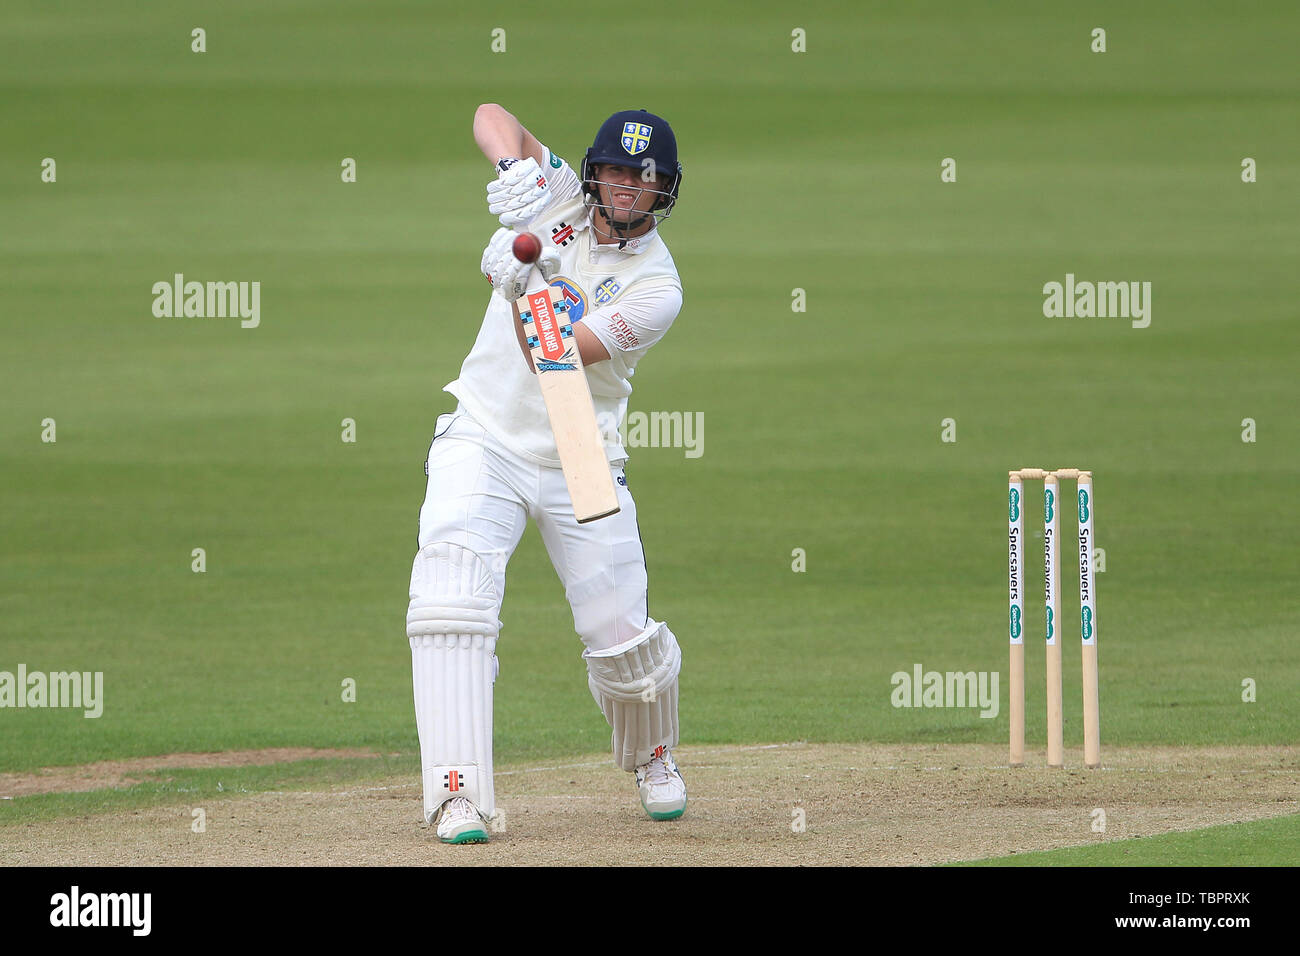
<point>480,496</point>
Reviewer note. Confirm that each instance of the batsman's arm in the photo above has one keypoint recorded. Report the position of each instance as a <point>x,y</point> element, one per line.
<point>589,347</point>
<point>500,136</point>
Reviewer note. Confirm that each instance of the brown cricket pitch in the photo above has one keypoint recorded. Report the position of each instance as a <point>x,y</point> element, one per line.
<point>862,804</point>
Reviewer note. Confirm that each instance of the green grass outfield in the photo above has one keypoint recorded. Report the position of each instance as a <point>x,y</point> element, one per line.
<point>188,785</point>
<point>817,171</point>
<point>1257,843</point>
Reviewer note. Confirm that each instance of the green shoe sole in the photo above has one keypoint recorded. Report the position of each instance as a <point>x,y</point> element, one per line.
<point>670,815</point>
<point>473,836</point>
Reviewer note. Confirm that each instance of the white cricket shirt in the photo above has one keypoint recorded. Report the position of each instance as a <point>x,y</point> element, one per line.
<point>627,297</point>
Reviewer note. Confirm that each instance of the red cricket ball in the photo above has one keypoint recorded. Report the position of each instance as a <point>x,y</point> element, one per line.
<point>527,247</point>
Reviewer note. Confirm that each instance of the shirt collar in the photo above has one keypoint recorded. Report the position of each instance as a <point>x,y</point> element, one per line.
<point>633,247</point>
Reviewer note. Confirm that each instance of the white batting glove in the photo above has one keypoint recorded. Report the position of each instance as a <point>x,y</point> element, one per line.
<point>509,276</point>
<point>497,246</point>
<point>521,191</point>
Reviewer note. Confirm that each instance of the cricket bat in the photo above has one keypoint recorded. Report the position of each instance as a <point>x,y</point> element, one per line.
<point>554,348</point>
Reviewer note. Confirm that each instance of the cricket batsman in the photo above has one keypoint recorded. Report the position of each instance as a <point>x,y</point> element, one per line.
<point>493,464</point>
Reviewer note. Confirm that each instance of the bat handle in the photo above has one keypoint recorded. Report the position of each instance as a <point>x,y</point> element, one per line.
<point>536,281</point>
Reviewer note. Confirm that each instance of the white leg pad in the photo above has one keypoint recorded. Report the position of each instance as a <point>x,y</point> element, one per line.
<point>635,684</point>
<point>452,626</point>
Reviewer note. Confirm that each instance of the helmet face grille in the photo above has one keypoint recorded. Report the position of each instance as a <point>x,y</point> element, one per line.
<point>636,139</point>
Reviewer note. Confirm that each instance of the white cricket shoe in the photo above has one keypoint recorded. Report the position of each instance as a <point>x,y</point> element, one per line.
<point>458,821</point>
<point>663,791</point>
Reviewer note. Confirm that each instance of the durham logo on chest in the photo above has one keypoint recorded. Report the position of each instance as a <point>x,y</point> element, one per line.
<point>606,291</point>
